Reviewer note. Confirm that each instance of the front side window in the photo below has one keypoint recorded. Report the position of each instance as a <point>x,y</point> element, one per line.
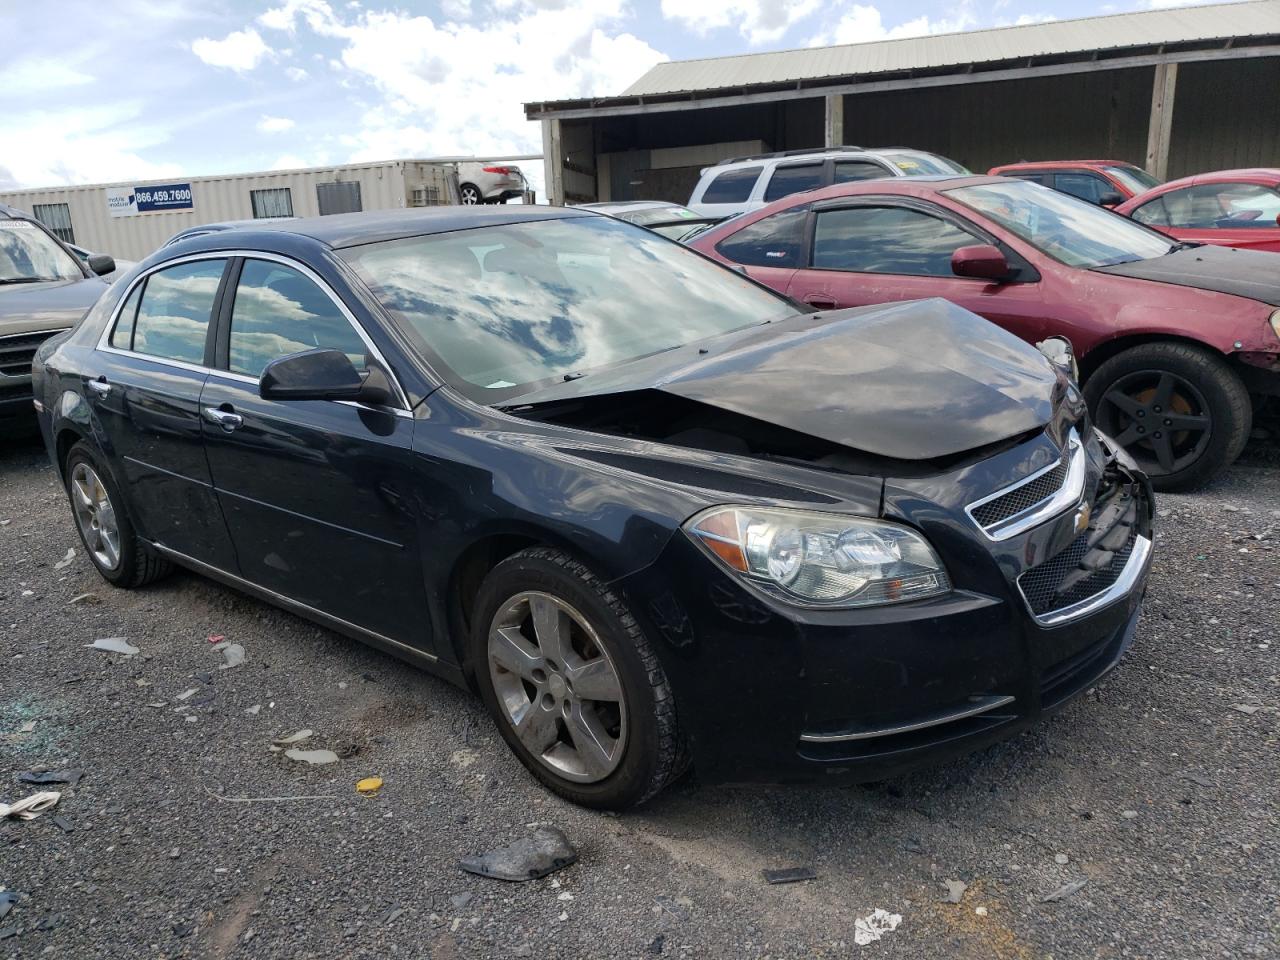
<point>276,202</point>
<point>732,186</point>
<point>887,240</point>
<point>502,310</point>
<point>1086,186</point>
<point>1152,213</point>
<point>793,179</point>
<point>29,255</point>
<point>278,311</point>
<point>173,317</point>
<point>1135,179</point>
<point>775,241</point>
<point>1066,228</point>
<point>851,171</point>
<point>1222,206</point>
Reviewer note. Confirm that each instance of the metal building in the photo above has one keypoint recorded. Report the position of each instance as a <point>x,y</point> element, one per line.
<point>130,220</point>
<point>1178,91</point>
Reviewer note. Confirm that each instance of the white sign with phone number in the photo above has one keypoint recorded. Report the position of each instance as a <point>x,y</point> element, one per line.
<point>155,198</point>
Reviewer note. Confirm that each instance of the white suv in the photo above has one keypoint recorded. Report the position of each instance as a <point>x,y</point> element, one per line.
<point>748,183</point>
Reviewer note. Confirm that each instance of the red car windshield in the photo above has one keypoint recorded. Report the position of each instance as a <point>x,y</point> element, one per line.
<point>1072,231</point>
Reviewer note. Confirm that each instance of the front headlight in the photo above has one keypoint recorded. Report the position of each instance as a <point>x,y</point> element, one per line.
<point>821,559</point>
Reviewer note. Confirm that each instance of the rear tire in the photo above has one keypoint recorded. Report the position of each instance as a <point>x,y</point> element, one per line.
<point>1176,408</point>
<point>597,716</point>
<point>102,520</point>
<point>471,195</point>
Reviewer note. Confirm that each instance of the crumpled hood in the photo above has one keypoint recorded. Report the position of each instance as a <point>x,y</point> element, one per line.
<point>53,305</point>
<point>912,381</point>
<point>1243,273</point>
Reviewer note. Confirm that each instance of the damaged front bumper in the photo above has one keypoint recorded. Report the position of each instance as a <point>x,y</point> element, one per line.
<point>774,692</point>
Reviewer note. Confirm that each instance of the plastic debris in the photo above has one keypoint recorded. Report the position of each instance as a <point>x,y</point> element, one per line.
<point>65,561</point>
<point>1060,859</point>
<point>955,890</point>
<point>28,808</point>
<point>1246,708</point>
<point>70,777</point>
<point>677,907</point>
<point>187,694</point>
<point>63,824</point>
<point>1067,890</point>
<point>292,738</point>
<point>83,598</point>
<point>28,727</point>
<point>980,911</point>
<point>369,786</point>
<point>1129,814</point>
<point>315,757</point>
<point>216,638</point>
<point>114,645</point>
<point>789,875</point>
<point>460,901</point>
<point>254,710</point>
<point>232,655</point>
<point>874,925</point>
<point>544,852</point>
<point>7,899</point>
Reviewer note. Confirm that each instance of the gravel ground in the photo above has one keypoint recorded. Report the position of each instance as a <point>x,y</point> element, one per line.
<point>1158,788</point>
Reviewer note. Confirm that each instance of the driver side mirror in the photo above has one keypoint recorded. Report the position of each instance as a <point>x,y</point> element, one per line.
<point>323,375</point>
<point>101,264</point>
<point>1110,199</point>
<point>982,261</point>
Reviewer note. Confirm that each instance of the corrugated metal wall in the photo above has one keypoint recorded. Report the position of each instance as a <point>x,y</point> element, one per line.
<point>1100,115</point>
<point>382,187</point>
<point>1226,115</point>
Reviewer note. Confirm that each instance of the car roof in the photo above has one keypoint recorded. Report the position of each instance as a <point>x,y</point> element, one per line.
<point>13,213</point>
<point>1037,164</point>
<point>373,226</point>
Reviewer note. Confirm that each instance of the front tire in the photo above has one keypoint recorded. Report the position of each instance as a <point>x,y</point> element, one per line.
<point>1177,409</point>
<point>102,520</point>
<point>573,684</point>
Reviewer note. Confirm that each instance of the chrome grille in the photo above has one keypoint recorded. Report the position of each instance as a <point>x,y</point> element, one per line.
<point>1035,498</point>
<point>1021,498</point>
<point>19,349</point>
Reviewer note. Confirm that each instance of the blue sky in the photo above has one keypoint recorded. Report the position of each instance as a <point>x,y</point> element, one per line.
<point>136,89</point>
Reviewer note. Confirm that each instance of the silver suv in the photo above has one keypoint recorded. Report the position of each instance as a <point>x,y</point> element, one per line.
<point>748,183</point>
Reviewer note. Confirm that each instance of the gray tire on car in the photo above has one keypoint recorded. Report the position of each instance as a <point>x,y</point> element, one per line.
<point>1177,408</point>
<point>573,683</point>
<point>471,194</point>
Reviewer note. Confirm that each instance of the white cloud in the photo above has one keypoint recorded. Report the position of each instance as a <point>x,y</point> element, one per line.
<point>456,9</point>
<point>240,51</point>
<point>296,74</point>
<point>865,24</point>
<point>1027,19</point>
<point>34,75</point>
<point>456,88</point>
<point>274,124</point>
<point>760,21</point>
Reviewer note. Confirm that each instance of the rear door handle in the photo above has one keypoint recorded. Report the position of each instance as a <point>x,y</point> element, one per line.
<point>99,386</point>
<point>820,301</point>
<point>228,420</point>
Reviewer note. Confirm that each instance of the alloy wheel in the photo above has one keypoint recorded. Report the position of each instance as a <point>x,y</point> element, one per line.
<point>558,687</point>
<point>1159,417</point>
<point>95,516</point>
<point>470,195</point>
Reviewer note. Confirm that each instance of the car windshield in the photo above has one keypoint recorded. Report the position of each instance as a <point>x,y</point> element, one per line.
<point>1073,231</point>
<point>501,310</point>
<point>922,164</point>
<point>1137,180</point>
<point>657,215</point>
<point>28,255</point>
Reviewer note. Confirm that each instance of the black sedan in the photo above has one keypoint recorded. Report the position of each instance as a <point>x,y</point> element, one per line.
<point>649,511</point>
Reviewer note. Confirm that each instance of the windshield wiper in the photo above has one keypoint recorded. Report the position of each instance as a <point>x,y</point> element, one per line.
<point>25,279</point>
<point>1182,245</point>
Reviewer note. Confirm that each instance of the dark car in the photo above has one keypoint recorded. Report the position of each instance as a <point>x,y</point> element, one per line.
<point>1176,342</point>
<point>644,507</point>
<point>669,219</point>
<point>1107,183</point>
<point>44,290</point>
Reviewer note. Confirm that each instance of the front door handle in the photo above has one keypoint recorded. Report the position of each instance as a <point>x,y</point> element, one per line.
<point>224,417</point>
<point>99,386</point>
<point>820,301</point>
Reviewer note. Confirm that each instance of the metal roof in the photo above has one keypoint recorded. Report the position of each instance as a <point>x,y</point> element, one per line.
<point>1151,28</point>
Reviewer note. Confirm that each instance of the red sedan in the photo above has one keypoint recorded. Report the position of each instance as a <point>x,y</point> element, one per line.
<point>1175,342</point>
<point>1230,208</point>
<point>1107,183</point>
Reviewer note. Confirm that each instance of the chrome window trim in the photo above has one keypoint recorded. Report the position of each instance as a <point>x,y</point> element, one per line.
<point>104,338</point>
<point>1066,496</point>
<point>33,333</point>
<point>1123,584</point>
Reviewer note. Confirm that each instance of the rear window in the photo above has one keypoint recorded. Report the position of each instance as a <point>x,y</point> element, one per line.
<point>732,186</point>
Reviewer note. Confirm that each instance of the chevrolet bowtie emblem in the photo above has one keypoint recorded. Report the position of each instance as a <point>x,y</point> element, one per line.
<point>1083,514</point>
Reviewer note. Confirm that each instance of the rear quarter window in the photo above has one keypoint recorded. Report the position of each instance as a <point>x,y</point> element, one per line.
<point>775,241</point>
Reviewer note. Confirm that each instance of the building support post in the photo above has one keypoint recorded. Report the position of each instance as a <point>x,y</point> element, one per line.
<point>833,128</point>
<point>552,162</point>
<point>1160,128</point>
